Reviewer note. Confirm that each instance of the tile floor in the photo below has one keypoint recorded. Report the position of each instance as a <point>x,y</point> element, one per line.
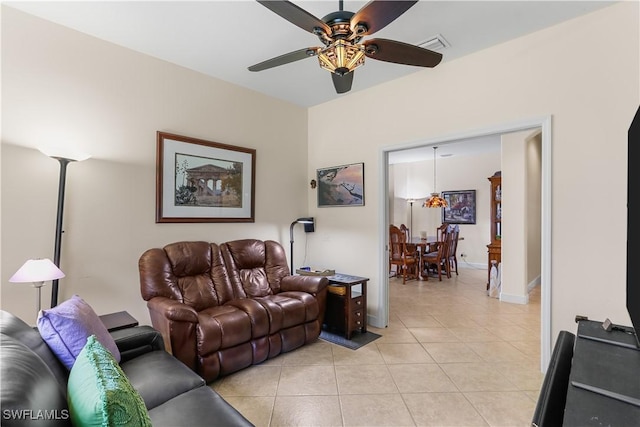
<point>451,356</point>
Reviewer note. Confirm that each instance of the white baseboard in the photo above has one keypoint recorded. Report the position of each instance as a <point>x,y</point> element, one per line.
<point>474,265</point>
<point>515,299</point>
<point>374,321</point>
<point>535,282</point>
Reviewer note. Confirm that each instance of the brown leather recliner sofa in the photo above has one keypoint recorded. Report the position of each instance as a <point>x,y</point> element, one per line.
<point>223,307</point>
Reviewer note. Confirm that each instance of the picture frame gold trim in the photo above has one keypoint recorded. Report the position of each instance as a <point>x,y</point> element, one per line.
<point>203,181</point>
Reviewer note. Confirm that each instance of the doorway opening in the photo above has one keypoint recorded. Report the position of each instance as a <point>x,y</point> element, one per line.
<point>544,125</point>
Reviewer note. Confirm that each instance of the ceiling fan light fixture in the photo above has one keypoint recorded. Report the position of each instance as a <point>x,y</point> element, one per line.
<point>341,55</point>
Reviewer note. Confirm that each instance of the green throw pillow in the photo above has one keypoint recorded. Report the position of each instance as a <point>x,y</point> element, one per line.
<point>100,394</point>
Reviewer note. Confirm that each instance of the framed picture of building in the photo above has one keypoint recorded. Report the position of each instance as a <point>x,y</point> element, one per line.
<point>203,181</point>
<point>461,207</point>
<point>341,185</point>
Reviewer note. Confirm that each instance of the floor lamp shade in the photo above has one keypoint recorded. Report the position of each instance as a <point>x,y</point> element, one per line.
<point>309,227</point>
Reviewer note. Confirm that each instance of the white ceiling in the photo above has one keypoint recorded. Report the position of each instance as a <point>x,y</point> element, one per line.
<point>458,148</point>
<point>223,38</point>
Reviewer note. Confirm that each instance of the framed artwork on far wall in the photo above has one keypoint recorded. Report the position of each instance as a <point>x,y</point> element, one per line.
<point>341,185</point>
<point>203,181</point>
<point>461,207</point>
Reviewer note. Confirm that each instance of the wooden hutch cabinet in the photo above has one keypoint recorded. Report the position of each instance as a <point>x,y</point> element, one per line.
<point>494,248</point>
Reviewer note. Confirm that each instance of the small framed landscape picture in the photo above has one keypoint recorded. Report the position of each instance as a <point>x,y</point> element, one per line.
<point>341,185</point>
<point>461,207</point>
<point>203,181</point>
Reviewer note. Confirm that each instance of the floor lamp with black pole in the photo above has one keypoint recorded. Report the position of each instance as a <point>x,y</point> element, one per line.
<point>64,161</point>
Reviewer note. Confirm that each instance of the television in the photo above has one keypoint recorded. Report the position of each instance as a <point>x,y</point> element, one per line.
<point>633,226</point>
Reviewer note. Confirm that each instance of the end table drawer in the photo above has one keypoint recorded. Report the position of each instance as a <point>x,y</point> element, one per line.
<point>357,320</point>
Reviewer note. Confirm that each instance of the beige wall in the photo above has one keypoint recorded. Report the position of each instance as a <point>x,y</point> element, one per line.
<point>63,87</point>
<point>591,98</point>
<point>514,221</point>
<point>533,209</point>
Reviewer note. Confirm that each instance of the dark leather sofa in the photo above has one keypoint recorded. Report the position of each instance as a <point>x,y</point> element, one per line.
<point>221,308</point>
<point>34,383</point>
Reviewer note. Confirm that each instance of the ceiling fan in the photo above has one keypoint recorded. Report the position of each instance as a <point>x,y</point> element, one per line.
<point>341,34</point>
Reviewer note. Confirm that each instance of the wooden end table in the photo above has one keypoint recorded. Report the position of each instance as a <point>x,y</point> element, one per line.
<point>346,304</point>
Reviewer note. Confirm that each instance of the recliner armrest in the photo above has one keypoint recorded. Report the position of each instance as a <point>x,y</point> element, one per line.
<point>137,340</point>
<point>173,310</point>
<point>311,284</point>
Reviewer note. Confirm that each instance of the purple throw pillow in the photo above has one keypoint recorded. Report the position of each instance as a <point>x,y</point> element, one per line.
<point>66,327</point>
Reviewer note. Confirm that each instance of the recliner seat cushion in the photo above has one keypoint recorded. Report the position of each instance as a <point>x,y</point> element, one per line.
<point>221,327</point>
<point>257,315</point>
<point>312,310</point>
<point>143,373</point>
<point>285,312</point>
<point>288,309</point>
<point>195,407</point>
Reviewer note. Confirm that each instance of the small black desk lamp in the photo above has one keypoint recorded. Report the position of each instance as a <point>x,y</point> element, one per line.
<point>309,227</point>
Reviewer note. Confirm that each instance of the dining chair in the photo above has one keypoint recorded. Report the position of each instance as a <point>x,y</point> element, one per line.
<point>395,273</point>
<point>406,232</point>
<point>453,249</point>
<point>438,259</point>
<point>442,231</point>
<point>405,257</point>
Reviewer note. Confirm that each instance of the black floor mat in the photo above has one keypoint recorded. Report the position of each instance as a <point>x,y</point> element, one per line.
<point>358,339</point>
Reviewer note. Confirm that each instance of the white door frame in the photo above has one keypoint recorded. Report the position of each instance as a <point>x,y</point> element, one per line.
<point>544,123</point>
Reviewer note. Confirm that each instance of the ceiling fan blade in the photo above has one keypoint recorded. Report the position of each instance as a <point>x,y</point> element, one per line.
<point>377,14</point>
<point>342,83</point>
<point>296,55</point>
<point>401,53</point>
<point>295,15</point>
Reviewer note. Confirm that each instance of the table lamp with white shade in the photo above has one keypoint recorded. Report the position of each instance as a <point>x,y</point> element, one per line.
<point>37,271</point>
